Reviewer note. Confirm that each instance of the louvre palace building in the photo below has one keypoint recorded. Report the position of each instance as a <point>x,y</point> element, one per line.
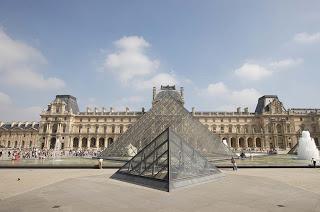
<point>270,126</point>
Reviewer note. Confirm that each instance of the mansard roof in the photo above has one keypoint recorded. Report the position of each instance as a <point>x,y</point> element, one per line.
<point>20,126</point>
<point>71,102</point>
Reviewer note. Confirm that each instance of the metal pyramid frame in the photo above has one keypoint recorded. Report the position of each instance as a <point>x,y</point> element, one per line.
<point>167,111</point>
<point>167,163</point>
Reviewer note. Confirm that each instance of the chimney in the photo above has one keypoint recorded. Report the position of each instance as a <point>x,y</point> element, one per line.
<point>88,109</point>
<point>127,110</point>
<point>96,110</point>
<point>103,109</point>
<point>246,110</point>
<point>193,110</point>
<point>111,109</point>
<point>238,109</point>
<point>182,92</point>
<point>154,92</point>
<point>143,110</point>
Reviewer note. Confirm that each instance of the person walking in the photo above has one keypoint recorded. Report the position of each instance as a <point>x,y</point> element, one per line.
<point>314,162</point>
<point>234,164</point>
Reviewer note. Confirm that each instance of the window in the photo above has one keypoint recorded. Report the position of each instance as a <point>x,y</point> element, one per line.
<point>214,128</point>
<point>301,119</point>
<point>230,129</point>
<point>221,120</point>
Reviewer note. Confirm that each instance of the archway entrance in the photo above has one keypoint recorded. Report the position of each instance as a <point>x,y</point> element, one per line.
<point>250,143</point>
<point>93,142</point>
<point>242,142</point>
<point>225,140</point>
<point>75,143</point>
<point>233,142</point>
<point>84,143</point>
<point>52,143</point>
<point>110,141</point>
<point>101,142</point>
<point>258,142</point>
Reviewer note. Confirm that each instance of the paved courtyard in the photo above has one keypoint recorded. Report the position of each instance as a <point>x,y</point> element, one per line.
<point>92,190</point>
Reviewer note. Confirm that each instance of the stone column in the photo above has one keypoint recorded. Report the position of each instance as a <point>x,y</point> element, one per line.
<point>237,143</point>
<point>88,143</point>
<point>80,142</point>
<point>106,142</point>
<point>97,142</point>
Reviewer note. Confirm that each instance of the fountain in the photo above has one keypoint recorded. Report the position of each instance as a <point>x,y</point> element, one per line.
<point>56,151</point>
<point>307,148</point>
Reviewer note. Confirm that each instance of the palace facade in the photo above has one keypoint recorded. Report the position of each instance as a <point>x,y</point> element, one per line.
<point>270,126</point>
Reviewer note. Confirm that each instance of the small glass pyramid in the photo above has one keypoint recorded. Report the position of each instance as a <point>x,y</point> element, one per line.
<point>166,163</point>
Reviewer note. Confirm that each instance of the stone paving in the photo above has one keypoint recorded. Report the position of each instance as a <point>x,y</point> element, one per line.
<point>92,190</point>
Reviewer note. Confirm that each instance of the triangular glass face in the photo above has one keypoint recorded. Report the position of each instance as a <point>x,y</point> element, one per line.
<point>166,112</point>
<point>167,163</point>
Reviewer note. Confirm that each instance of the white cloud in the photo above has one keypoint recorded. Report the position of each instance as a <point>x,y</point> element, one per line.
<point>286,63</point>
<point>252,71</point>
<point>156,81</point>
<point>130,60</point>
<point>217,89</point>
<point>20,64</point>
<point>134,67</point>
<point>307,38</point>
<point>225,98</point>
<point>4,99</point>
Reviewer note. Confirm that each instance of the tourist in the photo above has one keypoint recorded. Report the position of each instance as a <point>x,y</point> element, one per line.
<point>234,164</point>
<point>314,162</point>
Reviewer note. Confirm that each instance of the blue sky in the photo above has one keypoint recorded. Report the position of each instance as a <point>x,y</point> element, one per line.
<point>110,53</point>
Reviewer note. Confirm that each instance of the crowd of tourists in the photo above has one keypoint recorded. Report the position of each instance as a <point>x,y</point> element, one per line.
<point>35,153</point>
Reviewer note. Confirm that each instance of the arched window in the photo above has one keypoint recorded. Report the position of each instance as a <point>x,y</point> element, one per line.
<point>279,128</point>
<point>54,128</point>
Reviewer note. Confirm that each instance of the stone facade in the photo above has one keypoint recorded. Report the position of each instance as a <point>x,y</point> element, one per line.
<point>270,126</point>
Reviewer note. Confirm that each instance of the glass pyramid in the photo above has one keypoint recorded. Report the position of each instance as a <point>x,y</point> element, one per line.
<point>167,111</point>
<point>167,163</point>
